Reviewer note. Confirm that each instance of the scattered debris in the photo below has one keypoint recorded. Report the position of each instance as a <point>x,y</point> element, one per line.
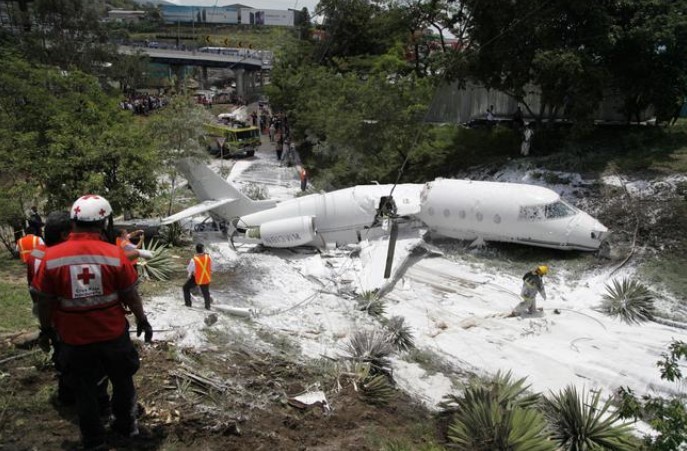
<point>310,399</point>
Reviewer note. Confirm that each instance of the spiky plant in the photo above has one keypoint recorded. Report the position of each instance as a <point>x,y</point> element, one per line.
<point>401,334</point>
<point>373,347</point>
<point>173,235</point>
<point>377,390</point>
<point>486,425</point>
<point>374,307</point>
<point>502,388</point>
<point>579,423</point>
<point>159,267</point>
<point>629,300</point>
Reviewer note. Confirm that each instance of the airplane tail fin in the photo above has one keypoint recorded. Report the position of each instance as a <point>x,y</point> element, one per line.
<point>207,185</point>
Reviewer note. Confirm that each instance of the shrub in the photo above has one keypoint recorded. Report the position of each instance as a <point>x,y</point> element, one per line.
<point>578,423</point>
<point>629,300</point>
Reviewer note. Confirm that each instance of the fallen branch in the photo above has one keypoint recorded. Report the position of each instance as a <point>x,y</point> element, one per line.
<point>20,356</point>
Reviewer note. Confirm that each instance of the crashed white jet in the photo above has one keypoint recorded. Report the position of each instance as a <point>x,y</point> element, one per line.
<point>462,209</point>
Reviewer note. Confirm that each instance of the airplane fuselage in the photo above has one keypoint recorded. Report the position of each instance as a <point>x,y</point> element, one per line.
<point>459,209</point>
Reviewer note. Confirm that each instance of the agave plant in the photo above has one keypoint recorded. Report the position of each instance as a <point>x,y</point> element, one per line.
<point>630,300</point>
<point>579,423</point>
<point>377,390</point>
<point>371,303</point>
<point>487,425</point>
<point>401,334</point>
<point>373,347</point>
<point>159,267</point>
<point>501,388</point>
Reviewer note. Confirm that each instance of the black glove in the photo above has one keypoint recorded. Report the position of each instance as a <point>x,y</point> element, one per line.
<point>46,337</point>
<point>143,326</point>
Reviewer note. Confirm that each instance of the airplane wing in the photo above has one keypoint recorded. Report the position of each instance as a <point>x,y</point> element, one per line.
<point>197,209</point>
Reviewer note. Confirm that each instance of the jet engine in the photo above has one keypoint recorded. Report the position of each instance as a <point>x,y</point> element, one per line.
<point>288,232</point>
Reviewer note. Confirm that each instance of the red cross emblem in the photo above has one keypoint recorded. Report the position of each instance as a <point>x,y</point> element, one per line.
<point>86,276</point>
<point>102,212</point>
<point>77,210</point>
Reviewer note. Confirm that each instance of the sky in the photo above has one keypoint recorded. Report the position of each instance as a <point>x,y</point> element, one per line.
<point>456,304</point>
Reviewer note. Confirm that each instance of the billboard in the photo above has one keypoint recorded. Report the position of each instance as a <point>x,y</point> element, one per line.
<point>276,17</point>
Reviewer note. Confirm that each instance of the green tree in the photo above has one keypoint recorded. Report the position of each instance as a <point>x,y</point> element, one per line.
<point>648,61</point>
<point>63,137</point>
<point>667,416</point>
<point>178,132</point>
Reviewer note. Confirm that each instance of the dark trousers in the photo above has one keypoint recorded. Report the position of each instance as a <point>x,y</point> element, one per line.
<point>205,289</point>
<point>65,393</point>
<point>85,366</point>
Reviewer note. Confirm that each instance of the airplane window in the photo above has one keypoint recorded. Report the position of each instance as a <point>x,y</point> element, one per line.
<point>531,213</point>
<point>447,213</point>
<point>497,219</point>
<point>461,214</point>
<point>558,210</point>
<point>479,216</point>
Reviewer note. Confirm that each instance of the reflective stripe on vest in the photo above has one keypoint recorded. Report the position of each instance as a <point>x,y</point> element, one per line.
<point>26,244</point>
<point>202,272</point>
<point>90,301</point>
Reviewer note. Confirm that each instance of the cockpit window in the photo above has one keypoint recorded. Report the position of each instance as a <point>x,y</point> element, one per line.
<point>559,210</point>
<point>531,213</point>
<point>555,210</point>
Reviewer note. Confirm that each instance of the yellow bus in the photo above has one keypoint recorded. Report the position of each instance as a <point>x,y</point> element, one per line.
<point>232,142</point>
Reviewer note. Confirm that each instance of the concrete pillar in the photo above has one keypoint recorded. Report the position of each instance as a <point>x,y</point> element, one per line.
<point>178,72</point>
<point>240,82</point>
<point>204,77</point>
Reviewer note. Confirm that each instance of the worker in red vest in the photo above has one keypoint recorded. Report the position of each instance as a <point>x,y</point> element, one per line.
<point>304,179</point>
<point>26,245</point>
<point>84,287</point>
<point>199,274</point>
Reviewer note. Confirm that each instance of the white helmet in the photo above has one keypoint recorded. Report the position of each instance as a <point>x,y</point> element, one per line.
<point>90,208</point>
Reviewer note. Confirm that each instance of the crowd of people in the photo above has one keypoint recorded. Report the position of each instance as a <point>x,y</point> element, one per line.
<point>142,104</point>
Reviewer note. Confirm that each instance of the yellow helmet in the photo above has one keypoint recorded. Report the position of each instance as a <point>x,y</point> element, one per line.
<point>542,270</point>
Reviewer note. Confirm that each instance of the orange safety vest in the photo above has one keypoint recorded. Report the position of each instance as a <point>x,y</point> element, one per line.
<point>203,270</point>
<point>26,245</point>
<point>123,243</point>
<point>304,174</point>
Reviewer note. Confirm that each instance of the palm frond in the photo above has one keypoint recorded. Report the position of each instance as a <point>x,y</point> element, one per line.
<point>579,422</point>
<point>160,267</point>
<point>372,304</point>
<point>629,300</point>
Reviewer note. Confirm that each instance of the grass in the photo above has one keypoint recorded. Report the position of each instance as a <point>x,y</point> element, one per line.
<point>15,313</point>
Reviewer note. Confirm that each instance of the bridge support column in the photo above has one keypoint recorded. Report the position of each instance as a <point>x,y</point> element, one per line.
<point>204,77</point>
<point>177,70</point>
<point>240,82</point>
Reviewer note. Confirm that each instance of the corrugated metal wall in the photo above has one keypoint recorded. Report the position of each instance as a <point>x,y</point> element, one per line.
<point>454,105</point>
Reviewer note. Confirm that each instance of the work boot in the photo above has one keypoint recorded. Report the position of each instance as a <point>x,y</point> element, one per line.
<point>187,303</point>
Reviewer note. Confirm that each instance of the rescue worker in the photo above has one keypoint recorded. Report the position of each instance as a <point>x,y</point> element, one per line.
<point>57,228</point>
<point>199,274</point>
<point>304,179</point>
<point>531,285</point>
<point>132,251</point>
<point>26,245</point>
<point>35,222</point>
<point>83,287</point>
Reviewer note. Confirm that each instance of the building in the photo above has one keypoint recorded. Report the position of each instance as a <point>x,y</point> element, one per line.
<point>128,16</point>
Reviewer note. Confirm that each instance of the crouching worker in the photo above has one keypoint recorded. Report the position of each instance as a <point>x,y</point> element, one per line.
<point>83,286</point>
<point>532,284</point>
<point>199,274</point>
